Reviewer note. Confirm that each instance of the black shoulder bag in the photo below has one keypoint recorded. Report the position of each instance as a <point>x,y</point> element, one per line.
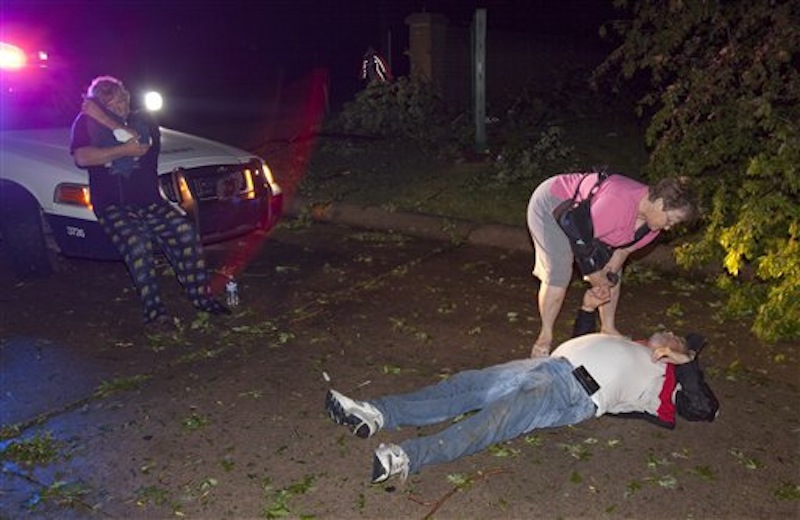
<point>575,219</point>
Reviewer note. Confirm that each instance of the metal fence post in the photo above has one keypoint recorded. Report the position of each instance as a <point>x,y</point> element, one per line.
<point>479,78</point>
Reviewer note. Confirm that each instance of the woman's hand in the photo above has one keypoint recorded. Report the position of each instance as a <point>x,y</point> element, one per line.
<point>617,260</point>
<point>90,108</point>
<point>93,110</point>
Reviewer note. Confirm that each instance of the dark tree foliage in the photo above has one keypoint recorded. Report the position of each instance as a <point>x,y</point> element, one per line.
<point>409,108</point>
<point>723,97</point>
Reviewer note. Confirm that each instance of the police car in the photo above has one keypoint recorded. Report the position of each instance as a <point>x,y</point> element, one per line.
<point>45,202</point>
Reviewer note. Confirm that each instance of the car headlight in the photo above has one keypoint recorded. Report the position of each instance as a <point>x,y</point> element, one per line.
<point>269,178</point>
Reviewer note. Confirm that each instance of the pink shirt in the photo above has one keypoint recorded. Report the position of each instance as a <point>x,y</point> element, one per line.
<point>614,206</point>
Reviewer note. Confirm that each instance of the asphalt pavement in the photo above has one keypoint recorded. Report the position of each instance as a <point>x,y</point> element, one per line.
<point>226,419</point>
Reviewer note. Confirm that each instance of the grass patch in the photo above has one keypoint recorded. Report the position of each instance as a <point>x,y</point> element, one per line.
<point>120,384</point>
<point>61,493</point>
<point>414,182</point>
<point>278,499</point>
<point>399,175</point>
<point>37,450</point>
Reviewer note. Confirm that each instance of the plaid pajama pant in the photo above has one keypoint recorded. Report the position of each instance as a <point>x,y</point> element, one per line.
<point>135,229</point>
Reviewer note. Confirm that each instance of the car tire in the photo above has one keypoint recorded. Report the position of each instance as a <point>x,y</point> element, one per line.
<point>23,236</point>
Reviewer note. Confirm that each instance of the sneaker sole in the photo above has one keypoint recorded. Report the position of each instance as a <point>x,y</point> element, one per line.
<point>380,473</point>
<point>339,416</point>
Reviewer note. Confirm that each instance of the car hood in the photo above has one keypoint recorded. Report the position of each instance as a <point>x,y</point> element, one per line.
<point>186,150</point>
<point>177,149</point>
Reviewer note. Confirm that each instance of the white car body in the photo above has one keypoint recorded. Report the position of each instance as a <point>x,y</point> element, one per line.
<point>35,162</point>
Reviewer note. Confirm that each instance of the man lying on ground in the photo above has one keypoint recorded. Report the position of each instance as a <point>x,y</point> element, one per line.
<point>585,377</point>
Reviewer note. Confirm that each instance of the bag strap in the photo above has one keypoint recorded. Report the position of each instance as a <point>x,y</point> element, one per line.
<point>601,176</point>
<point>640,233</point>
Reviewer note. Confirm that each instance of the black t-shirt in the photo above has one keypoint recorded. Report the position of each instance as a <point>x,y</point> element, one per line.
<point>140,187</point>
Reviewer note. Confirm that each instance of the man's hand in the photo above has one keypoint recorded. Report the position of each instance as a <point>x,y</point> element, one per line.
<point>599,279</point>
<point>594,298</point>
<point>671,356</point>
<point>134,148</point>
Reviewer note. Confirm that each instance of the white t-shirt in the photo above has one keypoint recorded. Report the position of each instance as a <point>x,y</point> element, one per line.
<point>629,380</point>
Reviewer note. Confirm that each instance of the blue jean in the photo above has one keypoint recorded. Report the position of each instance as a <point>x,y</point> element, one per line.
<point>512,399</point>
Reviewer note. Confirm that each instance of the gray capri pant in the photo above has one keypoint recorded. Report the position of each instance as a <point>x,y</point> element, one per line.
<point>553,264</point>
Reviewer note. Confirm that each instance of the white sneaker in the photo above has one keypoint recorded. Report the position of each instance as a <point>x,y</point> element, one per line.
<point>362,418</point>
<point>390,461</point>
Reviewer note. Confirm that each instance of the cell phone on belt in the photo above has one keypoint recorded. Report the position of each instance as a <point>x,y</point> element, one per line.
<point>586,380</point>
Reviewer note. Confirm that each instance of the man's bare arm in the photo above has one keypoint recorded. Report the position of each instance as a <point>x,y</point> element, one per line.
<point>121,131</point>
<point>95,156</point>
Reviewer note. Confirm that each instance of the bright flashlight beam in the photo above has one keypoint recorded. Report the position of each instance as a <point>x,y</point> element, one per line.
<point>153,101</point>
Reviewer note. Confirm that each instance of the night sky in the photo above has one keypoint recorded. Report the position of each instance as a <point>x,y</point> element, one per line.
<point>219,47</point>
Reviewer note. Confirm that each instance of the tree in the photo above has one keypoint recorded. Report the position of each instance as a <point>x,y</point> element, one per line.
<point>723,98</point>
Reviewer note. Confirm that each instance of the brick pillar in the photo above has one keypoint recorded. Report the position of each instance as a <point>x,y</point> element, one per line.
<point>427,35</point>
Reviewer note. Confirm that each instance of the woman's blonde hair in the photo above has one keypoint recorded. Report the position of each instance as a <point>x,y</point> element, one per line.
<point>105,88</point>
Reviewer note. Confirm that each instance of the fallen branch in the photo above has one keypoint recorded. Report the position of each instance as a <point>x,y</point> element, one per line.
<point>480,475</point>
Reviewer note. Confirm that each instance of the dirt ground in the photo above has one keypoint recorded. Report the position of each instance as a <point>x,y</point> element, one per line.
<point>226,419</point>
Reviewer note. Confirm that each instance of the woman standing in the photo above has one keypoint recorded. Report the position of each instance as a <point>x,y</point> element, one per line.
<point>620,207</point>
